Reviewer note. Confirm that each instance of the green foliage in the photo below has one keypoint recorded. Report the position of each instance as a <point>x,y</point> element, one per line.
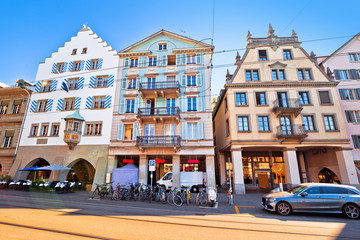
<point>6,178</point>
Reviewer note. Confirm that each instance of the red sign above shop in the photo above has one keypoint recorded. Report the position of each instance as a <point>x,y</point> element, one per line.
<point>128,161</point>
<point>160,160</point>
<point>193,161</point>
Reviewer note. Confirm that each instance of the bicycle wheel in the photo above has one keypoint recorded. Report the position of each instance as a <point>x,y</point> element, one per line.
<point>163,197</point>
<point>150,197</point>
<point>116,195</point>
<point>170,198</point>
<point>95,193</point>
<point>178,201</point>
<point>102,193</point>
<point>203,200</point>
<point>197,201</point>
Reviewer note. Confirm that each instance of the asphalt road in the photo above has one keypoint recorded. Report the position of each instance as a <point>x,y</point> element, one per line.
<point>75,216</point>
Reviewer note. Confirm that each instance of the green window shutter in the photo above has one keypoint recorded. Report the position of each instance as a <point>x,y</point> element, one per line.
<point>356,142</point>
<point>124,82</point>
<point>145,61</point>
<point>126,62</point>
<point>349,116</point>
<point>200,130</point>
<point>138,80</point>
<point>178,59</point>
<point>184,130</point>
<point>120,132</point>
<point>199,104</point>
<point>137,104</point>
<point>342,94</point>
<point>122,106</point>
<point>159,60</point>
<point>199,58</point>
<point>337,74</point>
<point>183,59</point>
<point>199,79</point>
<point>183,80</point>
<point>135,131</point>
<point>160,102</point>
<point>184,104</point>
<point>165,60</point>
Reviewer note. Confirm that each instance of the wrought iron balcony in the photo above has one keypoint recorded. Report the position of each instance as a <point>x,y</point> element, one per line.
<point>295,131</point>
<point>282,106</point>
<point>159,88</point>
<point>159,111</point>
<point>158,141</point>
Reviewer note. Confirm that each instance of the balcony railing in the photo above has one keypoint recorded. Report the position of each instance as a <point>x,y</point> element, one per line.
<point>159,111</point>
<point>287,106</point>
<point>291,131</point>
<point>159,85</point>
<point>158,141</point>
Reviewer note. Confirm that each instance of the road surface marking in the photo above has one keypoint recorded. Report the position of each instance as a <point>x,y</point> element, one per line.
<point>246,206</point>
<point>245,214</point>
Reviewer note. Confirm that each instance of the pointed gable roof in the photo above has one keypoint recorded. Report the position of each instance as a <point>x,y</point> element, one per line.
<point>169,34</point>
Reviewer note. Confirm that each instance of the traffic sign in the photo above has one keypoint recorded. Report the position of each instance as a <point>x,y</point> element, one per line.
<point>151,165</point>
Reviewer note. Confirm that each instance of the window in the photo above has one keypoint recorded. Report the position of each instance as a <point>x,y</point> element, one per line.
<point>309,122</point>
<point>354,57</point>
<point>101,81</point>
<point>84,51</point>
<point>132,83</point>
<point>260,98</point>
<point>151,82</point>
<point>44,130</point>
<point>152,61</point>
<point>171,59</point>
<point>278,74</point>
<point>226,104</point>
<point>329,121</point>
<point>45,86</point>
<point>252,75</point>
<point>241,99</point>
<point>4,106</point>
<point>162,46</point>
<point>304,98</point>
<point>93,128</point>
<point>353,116</point>
<point>94,64</point>
<point>324,97</point>
<point>343,75</point>
<point>287,54</point>
<point>133,62</point>
<point>55,130</point>
<point>170,78</point>
<point>191,104</point>
<point>190,59</point>
<point>313,190</point>
<point>99,102</point>
<point>15,107</point>
<point>243,124</point>
<point>68,104</point>
<point>9,134</point>
<point>60,67</point>
<point>263,123</point>
<point>305,74</point>
<point>129,129</point>
<point>74,52</point>
<point>41,106</point>
<point>130,106</point>
<point>227,127</point>
<point>356,141</point>
<point>192,131</point>
<point>76,66</point>
<point>262,55</point>
<point>73,83</point>
<point>34,130</point>
<point>191,81</point>
<point>347,94</point>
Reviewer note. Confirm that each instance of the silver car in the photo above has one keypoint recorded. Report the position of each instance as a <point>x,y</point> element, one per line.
<point>315,197</point>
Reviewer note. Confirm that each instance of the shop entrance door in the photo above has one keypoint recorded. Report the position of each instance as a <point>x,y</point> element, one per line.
<point>263,178</point>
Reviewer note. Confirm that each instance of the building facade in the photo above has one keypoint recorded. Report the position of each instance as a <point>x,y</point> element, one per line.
<point>13,101</point>
<point>164,107</point>
<point>278,120</point>
<point>345,64</point>
<point>70,115</point>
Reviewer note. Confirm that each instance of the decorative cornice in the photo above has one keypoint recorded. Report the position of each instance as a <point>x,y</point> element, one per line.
<point>310,83</point>
<point>193,50</point>
<point>134,54</point>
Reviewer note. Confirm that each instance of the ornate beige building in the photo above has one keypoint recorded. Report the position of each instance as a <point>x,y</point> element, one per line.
<point>278,120</point>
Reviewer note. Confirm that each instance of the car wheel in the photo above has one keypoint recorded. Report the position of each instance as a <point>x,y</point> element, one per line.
<point>351,211</point>
<point>283,208</point>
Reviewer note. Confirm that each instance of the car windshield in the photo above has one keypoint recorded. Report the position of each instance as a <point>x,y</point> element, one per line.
<point>297,189</point>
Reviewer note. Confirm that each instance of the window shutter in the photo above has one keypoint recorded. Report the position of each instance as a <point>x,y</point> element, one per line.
<point>357,93</point>
<point>124,82</point>
<point>140,61</point>
<point>77,103</point>
<point>178,59</point>
<point>80,83</point>
<point>199,58</point>
<point>89,101</point>
<point>87,66</point>
<point>199,79</point>
<point>107,101</point>
<point>120,132</point>
<point>324,97</point>
<point>53,85</point>
<point>135,131</point>
<point>65,66</point>
<point>159,60</point>
<point>337,74</point>
<point>92,82</point>
<point>184,131</point>
<point>37,86</point>
<point>200,130</point>
<point>33,106</point>
<point>53,69</point>
<point>66,83</point>
<point>183,80</point>
<point>199,104</point>
<point>136,104</point>
<point>126,62</point>
<point>160,102</point>
<point>164,59</point>
<point>60,104</point>
<point>184,104</point>
<point>356,142</point>
<point>100,63</point>
<point>70,67</point>
<point>349,116</point>
<point>138,80</point>
<point>146,61</point>
<point>110,81</point>
<point>49,105</point>
<point>82,65</point>
<point>342,94</point>
<point>122,106</point>
<point>183,59</point>
<point>353,74</point>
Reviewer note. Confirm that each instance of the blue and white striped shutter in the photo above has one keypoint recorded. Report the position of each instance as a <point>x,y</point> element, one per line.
<point>65,66</point>
<point>53,69</point>
<point>199,58</point>
<point>33,106</point>
<point>108,101</point>
<point>135,131</point>
<point>184,130</point>
<point>100,62</point>
<point>199,79</point>
<point>37,86</point>
<point>81,83</point>
<point>120,132</point>
<point>122,106</point>
<point>66,82</point>
<point>199,104</point>
<point>126,62</point>
<point>183,104</point>
<point>89,101</point>
<point>77,103</point>
<point>110,81</point>
<point>136,104</point>
<point>49,105</point>
<point>200,130</point>
<point>82,63</point>
<point>60,104</point>
<point>92,82</point>
<point>70,67</point>
<point>53,85</point>
<point>87,66</point>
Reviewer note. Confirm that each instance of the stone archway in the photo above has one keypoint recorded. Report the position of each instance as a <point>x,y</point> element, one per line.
<point>82,171</point>
<point>34,175</point>
<point>327,176</point>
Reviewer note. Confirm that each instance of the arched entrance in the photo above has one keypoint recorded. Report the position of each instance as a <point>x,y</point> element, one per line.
<point>38,175</point>
<point>328,176</point>
<point>81,171</point>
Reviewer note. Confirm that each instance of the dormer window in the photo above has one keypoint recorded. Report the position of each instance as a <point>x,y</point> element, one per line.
<point>263,55</point>
<point>74,52</point>
<point>162,46</point>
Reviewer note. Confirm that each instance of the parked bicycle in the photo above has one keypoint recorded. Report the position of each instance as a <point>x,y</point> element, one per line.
<point>174,197</point>
<point>201,199</point>
<point>102,190</point>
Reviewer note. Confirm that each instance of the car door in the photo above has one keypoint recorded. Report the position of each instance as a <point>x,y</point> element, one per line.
<point>332,198</point>
<point>308,200</point>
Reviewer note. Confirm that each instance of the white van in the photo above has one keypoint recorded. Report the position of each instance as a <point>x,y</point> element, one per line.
<point>188,179</point>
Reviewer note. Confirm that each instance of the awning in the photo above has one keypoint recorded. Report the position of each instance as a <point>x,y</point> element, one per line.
<point>52,168</point>
<point>30,169</point>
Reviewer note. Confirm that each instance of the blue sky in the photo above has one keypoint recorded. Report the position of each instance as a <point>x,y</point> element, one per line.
<point>32,30</point>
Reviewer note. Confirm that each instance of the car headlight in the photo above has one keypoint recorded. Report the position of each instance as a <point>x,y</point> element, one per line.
<point>271,200</point>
